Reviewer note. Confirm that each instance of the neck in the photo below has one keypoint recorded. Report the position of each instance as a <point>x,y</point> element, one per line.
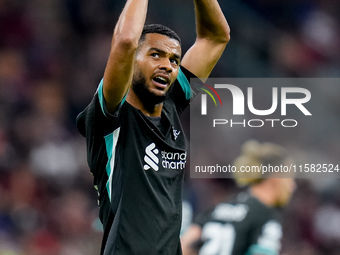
<point>152,110</point>
<point>263,193</point>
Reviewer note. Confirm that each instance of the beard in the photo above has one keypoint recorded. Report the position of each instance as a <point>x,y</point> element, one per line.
<point>148,98</point>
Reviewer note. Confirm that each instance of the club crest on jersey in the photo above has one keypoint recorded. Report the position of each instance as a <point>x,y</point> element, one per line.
<point>170,160</point>
<point>176,133</point>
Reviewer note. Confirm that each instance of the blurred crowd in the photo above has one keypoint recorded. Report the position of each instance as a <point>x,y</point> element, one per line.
<point>52,57</point>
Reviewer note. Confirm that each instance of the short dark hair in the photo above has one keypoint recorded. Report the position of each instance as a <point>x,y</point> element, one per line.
<point>159,29</point>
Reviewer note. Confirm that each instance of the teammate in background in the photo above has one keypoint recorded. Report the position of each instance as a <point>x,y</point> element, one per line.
<point>250,223</point>
<point>135,145</point>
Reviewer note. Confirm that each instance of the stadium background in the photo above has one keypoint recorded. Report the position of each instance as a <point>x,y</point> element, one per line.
<point>52,55</point>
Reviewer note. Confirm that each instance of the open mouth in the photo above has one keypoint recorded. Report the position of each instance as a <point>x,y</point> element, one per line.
<point>161,80</point>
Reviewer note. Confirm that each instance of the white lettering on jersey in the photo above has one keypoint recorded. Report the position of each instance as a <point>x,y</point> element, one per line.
<point>170,160</point>
<point>230,212</point>
<point>271,235</point>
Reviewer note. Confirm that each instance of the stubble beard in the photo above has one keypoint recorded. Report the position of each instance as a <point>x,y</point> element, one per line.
<point>149,99</point>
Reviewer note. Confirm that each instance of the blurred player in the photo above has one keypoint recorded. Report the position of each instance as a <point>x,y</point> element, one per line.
<point>135,143</point>
<point>251,222</point>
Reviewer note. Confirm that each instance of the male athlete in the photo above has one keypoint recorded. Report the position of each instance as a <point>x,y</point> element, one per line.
<point>135,144</point>
<point>251,222</point>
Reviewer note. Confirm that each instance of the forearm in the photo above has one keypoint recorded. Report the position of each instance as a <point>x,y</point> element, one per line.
<point>119,68</point>
<point>210,21</point>
<point>131,22</point>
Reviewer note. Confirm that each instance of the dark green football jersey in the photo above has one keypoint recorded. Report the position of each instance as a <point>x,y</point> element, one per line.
<point>138,172</point>
<point>243,226</point>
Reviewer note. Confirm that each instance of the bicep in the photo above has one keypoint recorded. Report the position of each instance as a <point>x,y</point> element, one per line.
<point>202,57</point>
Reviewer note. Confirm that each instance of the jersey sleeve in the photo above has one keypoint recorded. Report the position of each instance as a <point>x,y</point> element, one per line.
<point>95,117</point>
<point>103,104</point>
<point>186,87</point>
<point>266,239</point>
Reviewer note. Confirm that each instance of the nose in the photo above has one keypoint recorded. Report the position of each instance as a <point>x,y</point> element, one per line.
<point>165,65</point>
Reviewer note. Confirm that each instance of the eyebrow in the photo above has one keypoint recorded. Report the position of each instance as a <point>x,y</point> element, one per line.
<point>164,52</point>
